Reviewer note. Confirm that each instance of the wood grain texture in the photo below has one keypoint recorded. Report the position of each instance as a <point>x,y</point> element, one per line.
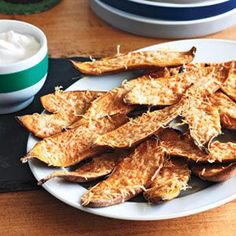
<point>73,29</point>
<point>39,213</point>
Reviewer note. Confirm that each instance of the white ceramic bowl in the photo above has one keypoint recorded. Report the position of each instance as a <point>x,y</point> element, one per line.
<point>20,81</point>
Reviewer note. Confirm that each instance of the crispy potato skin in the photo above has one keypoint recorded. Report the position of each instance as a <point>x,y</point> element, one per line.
<point>135,60</point>
<point>169,90</point>
<point>133,174</point>
<point>194,106</point>
<point>138,129</point>
<point>46,125</point>
<point>214,172</point>
<point>76,102</point>
<point>202,118</point>
<point>172,178</point>
<point>229,86</point>
<point>99,166</point>
<point>227,109</point>
<point>112,103</point>
<point>72,146</point>
<point>183,145</point>
<point>164,91</point>
<point>68,108</point>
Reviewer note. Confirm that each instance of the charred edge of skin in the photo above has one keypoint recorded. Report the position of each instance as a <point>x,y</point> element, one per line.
<point>193,50</point>
<point>42,181</point>
<point>26,159</point>
<point>19,120</point>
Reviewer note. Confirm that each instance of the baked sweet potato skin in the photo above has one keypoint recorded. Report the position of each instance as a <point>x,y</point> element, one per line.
<point>72,146</point>
<point>164,91</point>
<point>135,60</point>
<point>229,86</point>
<point>46,125</point>
<point>76,102</point>
<point>202,118</point>
<point>183,145</point>
<point>227,109</point>
<point>222,152</point>
<point>169,89</point>
<point>194,106</point>
<point>68,107</point>
<point>112,103</point>
<point>203,121</point>
<point>138,129</point>
<point>99,166</point>
<point>131,176</point>
<point>170,181</point>
<point>214,172</point>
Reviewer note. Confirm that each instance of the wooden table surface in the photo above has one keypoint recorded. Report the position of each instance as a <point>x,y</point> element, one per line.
<point>73,29</point>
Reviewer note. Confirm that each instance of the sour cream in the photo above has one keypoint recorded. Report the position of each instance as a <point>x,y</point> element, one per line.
<point>15,47</point>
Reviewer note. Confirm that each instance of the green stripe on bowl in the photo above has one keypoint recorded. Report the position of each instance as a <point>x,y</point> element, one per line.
<point>23,79</point>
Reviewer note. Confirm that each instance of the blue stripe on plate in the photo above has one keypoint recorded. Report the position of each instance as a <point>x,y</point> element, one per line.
<point>172,13</point>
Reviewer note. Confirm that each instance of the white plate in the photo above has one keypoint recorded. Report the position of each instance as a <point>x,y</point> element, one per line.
<point>162,28</point>
<point>208,50</point>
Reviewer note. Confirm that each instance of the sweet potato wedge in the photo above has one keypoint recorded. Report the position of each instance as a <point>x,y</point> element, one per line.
<point>112,103</point>
<point>164,91</point>
<point>130,177</point>
<point>108,104</point>
<point>68,108</point>
<point>227,109</point>
<point>73,146</point>
<point>202,118</point>
<point>222,152</point>
<point>183,145</point>
<point>136,130</point>
<point>99,166</point>
<point>46,125</point>
<point>75,102</point>
<point>170,181</point>
<point>194,106</point>
<point>203,121</point>
<point>135,60</point>
<point>229,86</point>
<point>214,172</point>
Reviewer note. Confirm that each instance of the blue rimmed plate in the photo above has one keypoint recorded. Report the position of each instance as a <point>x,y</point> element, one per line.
<point>161,28</point>
<point>173,12</point>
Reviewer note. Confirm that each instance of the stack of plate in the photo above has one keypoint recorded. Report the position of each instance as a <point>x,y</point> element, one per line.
<point>167,18</point>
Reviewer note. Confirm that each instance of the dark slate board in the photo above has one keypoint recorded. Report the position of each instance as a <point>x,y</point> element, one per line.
<point>15,176</point>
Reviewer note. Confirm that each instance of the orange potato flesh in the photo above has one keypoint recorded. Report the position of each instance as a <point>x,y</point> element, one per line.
<point>227,109</point>
<point>135,60</point>
<point>164,91</point>
<point>75,102</point>
<point>112,103</point>
<point>183,145</point>
<point>72,146</point>
<point>68,108</point>
<point>229,86</point>
<point>172,178</point>
<point>136,130</point>
<point>99,166</point>
<point>46,125</point>
<point>131,176</point>
<point>214,172</point>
